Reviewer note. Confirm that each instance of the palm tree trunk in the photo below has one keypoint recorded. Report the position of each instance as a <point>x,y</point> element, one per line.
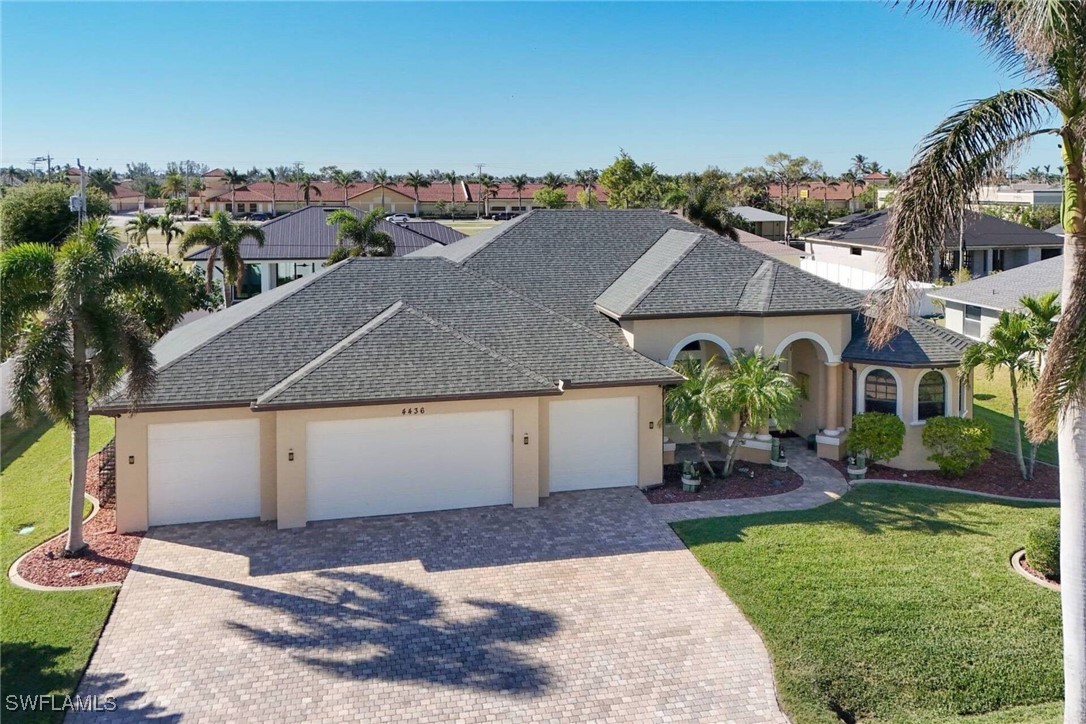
<point>1017,421</point>
<point>211,268</point>
<point>703,455</point>
<point>1071,446</point>
<point>733,450</point>
<point>80,443</point>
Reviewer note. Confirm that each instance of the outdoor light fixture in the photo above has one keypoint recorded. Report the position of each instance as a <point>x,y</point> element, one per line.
<point>131,459</point>
<point>650,424</point>
<point>525,438</point>
<point>290,455</point>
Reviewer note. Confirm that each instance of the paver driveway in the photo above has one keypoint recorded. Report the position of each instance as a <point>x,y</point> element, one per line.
<point>585,609</point>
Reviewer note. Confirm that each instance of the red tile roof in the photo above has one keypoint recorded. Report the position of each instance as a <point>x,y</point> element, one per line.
<point>125,192</point>
<point>815,191</point>
<point>215,173</point>
<point>262,190</point>
<point>876,176</point>
<point>506,192</point>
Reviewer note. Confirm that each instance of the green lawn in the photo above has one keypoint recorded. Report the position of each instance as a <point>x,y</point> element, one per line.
<point>894,605</point>
<point>45,638</point>
<point>992,403</point>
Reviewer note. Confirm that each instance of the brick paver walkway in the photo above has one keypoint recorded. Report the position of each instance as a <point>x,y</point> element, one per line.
<point>585,609</point>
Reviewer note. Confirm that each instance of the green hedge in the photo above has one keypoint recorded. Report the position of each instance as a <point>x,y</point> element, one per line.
<point>876,434</point>
<point>1043,548</point>
<point>957,445</point>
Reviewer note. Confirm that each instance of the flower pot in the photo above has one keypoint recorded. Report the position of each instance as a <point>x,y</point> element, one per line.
<point>856,473</point>
<point>691,485</point>
<point>779,464</point>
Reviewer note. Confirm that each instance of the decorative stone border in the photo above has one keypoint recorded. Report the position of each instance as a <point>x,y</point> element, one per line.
<point>13,572</point>
<point>963,491</point>
<point>1016,563</point>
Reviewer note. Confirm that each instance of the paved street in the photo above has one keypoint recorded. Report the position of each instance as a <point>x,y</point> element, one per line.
<point>588,608</point>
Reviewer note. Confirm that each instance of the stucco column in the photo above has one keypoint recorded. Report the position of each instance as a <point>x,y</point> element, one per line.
<point>267,276</point>
<point>833,395</point>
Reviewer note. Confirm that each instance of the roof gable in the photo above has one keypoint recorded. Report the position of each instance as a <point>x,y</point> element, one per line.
<point>1004,289</point>
<point>981,231</point>
<point>920,344</point>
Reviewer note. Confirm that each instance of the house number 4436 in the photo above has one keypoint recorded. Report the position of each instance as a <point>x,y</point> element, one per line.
<point>413,411</point>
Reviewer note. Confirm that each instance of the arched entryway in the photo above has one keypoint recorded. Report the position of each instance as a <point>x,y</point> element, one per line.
<point>703,346</point>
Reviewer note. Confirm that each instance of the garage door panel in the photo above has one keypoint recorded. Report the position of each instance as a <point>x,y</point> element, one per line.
<point>593,443</point>
<point>406,464</point>
<point>201,471</point>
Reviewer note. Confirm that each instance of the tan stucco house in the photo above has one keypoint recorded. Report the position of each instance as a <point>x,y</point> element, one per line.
<point>526,360</point>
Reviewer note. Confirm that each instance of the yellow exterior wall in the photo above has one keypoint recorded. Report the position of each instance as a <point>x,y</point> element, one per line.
<point>132,443</point>
<point>283,480</point>
<point>656,338</point>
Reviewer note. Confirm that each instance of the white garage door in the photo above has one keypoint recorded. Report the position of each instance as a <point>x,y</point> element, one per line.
<point>409,464</point>
<point>593,443</point>
<point>203,471</point>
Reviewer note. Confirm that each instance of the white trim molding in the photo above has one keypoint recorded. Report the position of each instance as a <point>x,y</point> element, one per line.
<point>831,357</point>
<point>698,336</point>
<point>861,378</point>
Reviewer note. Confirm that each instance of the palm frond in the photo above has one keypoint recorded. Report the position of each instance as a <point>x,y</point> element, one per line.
<point>959,156</point>
<point>1063,381</point>
<point>26,275</point>
<point>42,375</point>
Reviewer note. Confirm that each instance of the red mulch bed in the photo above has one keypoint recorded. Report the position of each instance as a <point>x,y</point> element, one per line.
<point>108,555</point>
<point>1035,573</point>
<point>998,475</point>
<point>737,486</point>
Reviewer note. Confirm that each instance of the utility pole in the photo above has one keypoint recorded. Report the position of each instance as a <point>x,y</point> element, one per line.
<point>82,192</point>
<point>479,201</point>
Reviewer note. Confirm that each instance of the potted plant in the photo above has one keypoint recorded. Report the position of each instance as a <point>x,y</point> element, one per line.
<point>691,476</point>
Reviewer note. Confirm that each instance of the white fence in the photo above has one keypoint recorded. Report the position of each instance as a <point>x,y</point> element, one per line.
<point>863,280</point>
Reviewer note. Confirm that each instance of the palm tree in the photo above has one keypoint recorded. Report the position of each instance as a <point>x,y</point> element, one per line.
<point>519,183</point>
<point>859,164</point>
<point>104,180</point>
<point>223,237</point>
<point>417,180</point>
<point>852,180</point>
<point>1042,313</point>
<point>698,405</point>
<point>1044,42</point>
<point>170,229</point>
<point>700,207</point>
<point>138,227</point>
<point>828,182</point>
<point>343,180</point>
<point>234,179</point>
<point>490,188</point>
<point>307,185</point>
<point>1010,344</point>
<point>554,180</point>
<point>756,390</point>
<point>199,187</point>
<point>272,176</point>
<point>173,185</point>
<point>359,236</point>
<point>451,178</point>
<point>586,179</point>
<point>381,178</point>
<point>69,323</point>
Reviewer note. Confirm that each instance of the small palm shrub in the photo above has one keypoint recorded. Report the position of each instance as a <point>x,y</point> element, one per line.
<point>1043,548</point>
<point>878,435</point>
<point>957,445</point>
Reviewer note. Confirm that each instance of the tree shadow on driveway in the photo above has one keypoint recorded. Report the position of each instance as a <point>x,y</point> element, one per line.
<point>362,626</point>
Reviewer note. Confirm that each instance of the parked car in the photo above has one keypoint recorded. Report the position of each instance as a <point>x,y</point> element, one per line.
<point>258,217</point>
<point>504,215</point>
<point>398,218</point>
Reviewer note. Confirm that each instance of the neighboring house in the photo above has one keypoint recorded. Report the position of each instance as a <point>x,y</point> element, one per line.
<point>1016,194</point>
<point>767,224</point>
<point>125,199</point>
<point>1056,229</point>
<point>257,197</point>
<point>526,360</point>
<point>834,197</point>
<point>991,244</point>
<point>876,178</point>
<point>973,308</point>
<point>777,249</point>
<point>298,243</point>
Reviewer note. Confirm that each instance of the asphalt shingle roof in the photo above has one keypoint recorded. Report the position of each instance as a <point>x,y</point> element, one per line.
<point>305,235</point>
<point>1003,290</point>
<point>981,231</point>
<point>358,367</point>
<point>921,344</point>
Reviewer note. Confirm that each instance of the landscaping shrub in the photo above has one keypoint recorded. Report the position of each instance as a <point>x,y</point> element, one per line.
<point>878,435</point>
<point>958,445</point>
<point>1043,548</point>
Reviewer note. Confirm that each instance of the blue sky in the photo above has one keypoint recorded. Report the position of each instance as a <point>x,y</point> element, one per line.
<point>521,87</point>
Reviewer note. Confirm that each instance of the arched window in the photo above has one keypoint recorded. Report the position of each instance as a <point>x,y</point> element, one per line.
<point>931,396</point>
<point>880,392</point>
